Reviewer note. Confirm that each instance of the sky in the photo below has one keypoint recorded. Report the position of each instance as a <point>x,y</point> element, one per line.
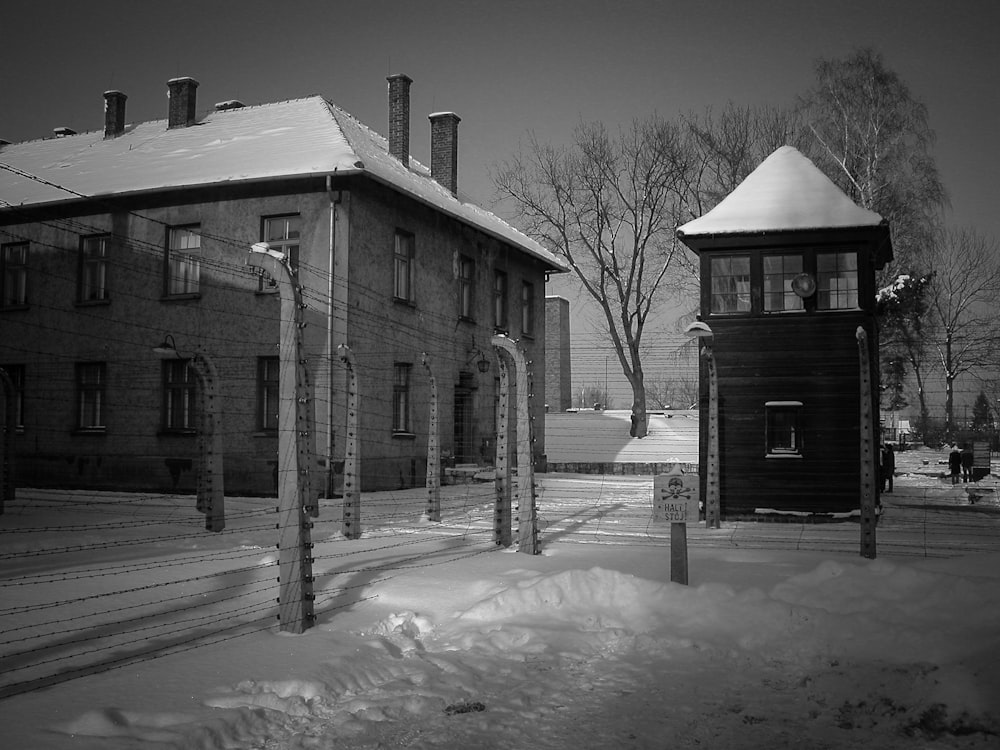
<point>509,69</point>
<point>123,623</point>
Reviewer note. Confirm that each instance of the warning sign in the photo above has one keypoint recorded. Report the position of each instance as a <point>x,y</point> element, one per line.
<point>675,498</point>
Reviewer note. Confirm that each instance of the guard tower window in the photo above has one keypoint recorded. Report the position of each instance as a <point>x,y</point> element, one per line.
<point>731,284</point>
<point>837,281</point>
<point>783,429</point>
<point>779,271</point>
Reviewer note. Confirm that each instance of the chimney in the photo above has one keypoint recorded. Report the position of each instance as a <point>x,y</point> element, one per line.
<point>182,101</point>
<point>399,116</point>
<point>444,149</point>
<point>114,113</point>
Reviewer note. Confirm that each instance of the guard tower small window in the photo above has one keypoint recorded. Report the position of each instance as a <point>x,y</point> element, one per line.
<point>837,281</point>
<point>779,271</point>
<point>783,429</point>
<point>731,284</point>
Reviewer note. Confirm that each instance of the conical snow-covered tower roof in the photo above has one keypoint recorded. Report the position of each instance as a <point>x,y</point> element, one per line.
<point>786,192</point>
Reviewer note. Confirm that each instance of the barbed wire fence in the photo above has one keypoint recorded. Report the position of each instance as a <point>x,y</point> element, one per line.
<point>94,582</point>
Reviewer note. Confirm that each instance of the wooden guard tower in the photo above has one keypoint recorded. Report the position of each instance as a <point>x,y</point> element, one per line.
<point>788,266</point>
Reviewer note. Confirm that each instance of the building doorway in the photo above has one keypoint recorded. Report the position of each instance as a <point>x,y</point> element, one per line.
<point>463,413</point>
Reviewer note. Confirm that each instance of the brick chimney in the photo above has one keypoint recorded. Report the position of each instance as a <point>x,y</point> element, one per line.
<point>182,101</point>
<point>444,149</point>
<point>114,113</point>
<point>399,116</point>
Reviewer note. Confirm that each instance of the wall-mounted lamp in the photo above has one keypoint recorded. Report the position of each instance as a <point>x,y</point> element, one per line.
<point>167,349</point>
<point>482,364</point>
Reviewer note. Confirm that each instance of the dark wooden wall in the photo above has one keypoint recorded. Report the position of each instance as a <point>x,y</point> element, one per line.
<point>809,358</point>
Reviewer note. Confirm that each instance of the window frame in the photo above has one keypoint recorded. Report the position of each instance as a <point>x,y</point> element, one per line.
<point>466,288</point>
<point>184,388</point>
<point>402,398</point>
<point>527,309</point>
<point>16,374</point>
<point>501,307</point>
<point>14,276</point>
<point>284,243</point>
<point>268,393</point>
<point>784,292</point>
<point>179,258</point>
<point>778,417</point>
<point>735,292</point>
<point>91,396</point>
<point>849,292</point>
<point>404,267</point>
<point>825,288</point>
<point>92,281</point>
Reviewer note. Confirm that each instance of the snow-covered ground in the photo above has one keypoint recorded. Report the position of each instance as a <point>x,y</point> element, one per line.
<point>152,633</point>
<point>587,436</point>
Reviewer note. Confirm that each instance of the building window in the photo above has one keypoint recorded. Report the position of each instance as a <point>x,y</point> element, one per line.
<point>283,234</point>
<point>500,300</point>
<point>178,396</point>
<point>404,263</point>
<point>730,284</point>
<point>527,308</point>
<point>14,271</point>
<point>90,389</point>
<point>16,375</point>
<point>466,287</point>
<point>267,394</point>
<point>401,397</point>
<point>837,281</point>
<point>783,428</point>
<point>94,268</point>
<point>779,271</point>
<point>183,260</point>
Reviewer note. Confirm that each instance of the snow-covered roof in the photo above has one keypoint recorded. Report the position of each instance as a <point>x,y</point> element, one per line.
<point>785,192</point>
<point>295,138</point>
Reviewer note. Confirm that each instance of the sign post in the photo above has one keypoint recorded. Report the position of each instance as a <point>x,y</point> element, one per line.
<point>980,459</point>
<point>675,501</point>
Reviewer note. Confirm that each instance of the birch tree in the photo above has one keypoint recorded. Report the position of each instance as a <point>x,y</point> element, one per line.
<point>872,137</point>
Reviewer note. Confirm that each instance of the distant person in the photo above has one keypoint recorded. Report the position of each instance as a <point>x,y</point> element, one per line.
<point>888,466</point>
<point>966,463</point>
<point>954,463</point>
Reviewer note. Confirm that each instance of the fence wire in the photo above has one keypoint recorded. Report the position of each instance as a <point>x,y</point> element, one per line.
<point>96,581</point>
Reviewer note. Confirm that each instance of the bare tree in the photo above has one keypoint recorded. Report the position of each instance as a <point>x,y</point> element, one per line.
<point>674,390</point>
<point>871,136</point>
<point>728,145</point>
<point>964,299</point>
<point>608,204</point>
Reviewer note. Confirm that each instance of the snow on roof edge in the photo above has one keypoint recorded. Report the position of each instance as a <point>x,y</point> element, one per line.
<point>785,192</point>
